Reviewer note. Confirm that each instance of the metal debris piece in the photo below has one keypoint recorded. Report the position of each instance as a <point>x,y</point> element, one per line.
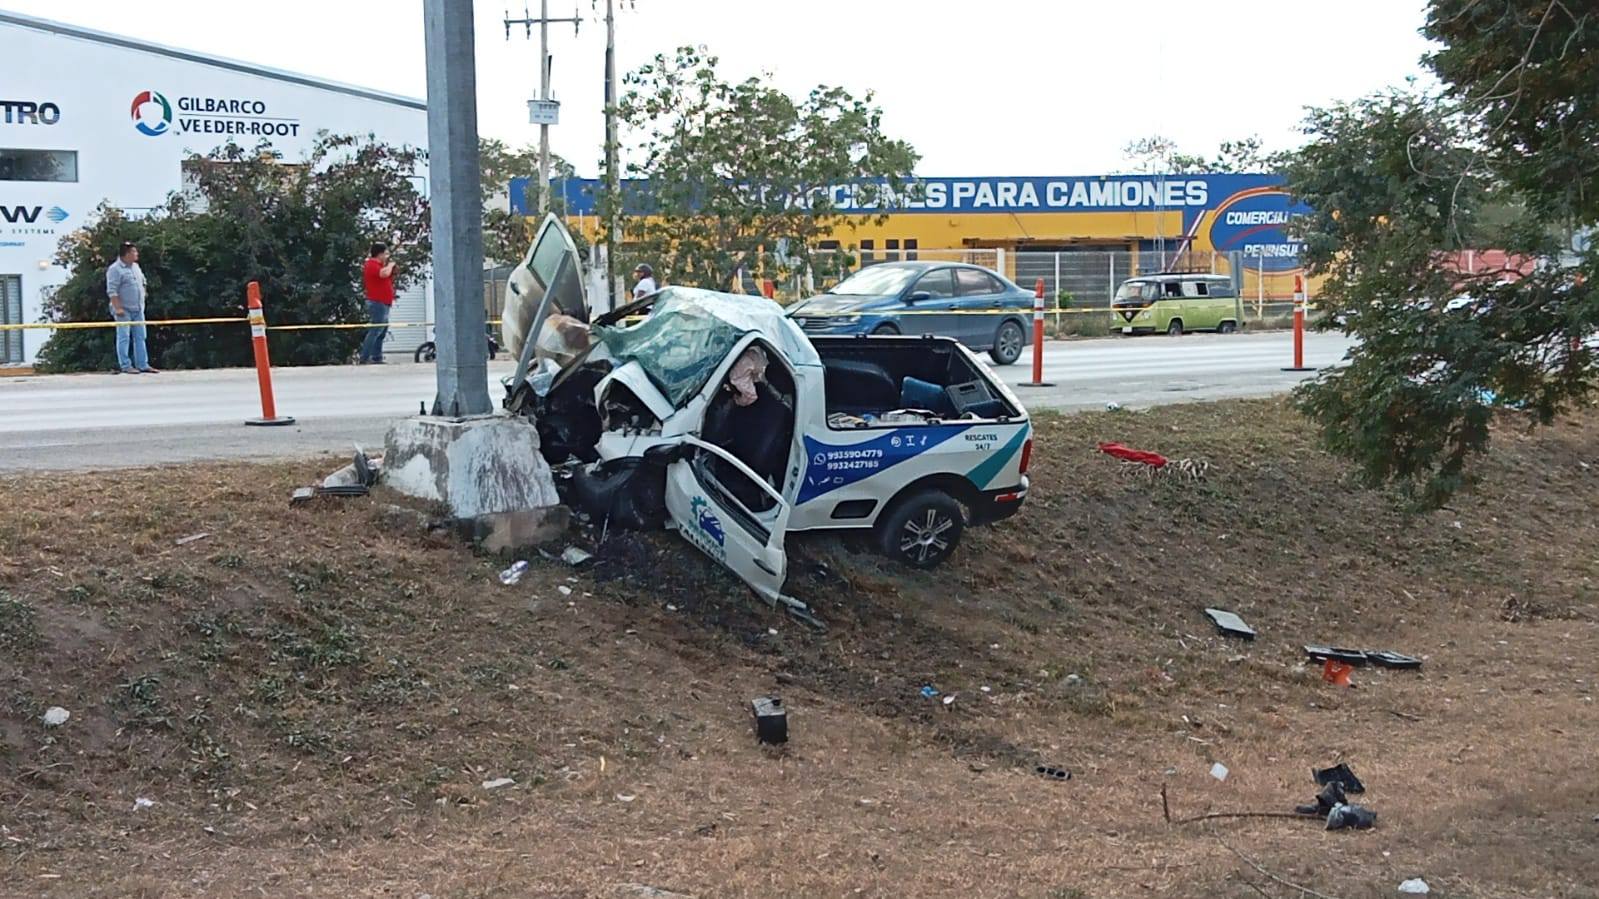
<point>1229,624</point>
<point>771,720</point>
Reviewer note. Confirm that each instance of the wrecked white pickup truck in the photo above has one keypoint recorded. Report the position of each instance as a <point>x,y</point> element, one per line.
<point>717,413</point>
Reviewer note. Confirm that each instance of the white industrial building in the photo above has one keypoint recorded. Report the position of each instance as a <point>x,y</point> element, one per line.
<point>88,117</point>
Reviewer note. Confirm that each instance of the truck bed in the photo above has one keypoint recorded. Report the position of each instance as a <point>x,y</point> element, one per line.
<point>875,375</point>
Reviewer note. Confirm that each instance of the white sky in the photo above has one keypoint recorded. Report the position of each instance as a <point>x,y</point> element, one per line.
<point>1001,87</point>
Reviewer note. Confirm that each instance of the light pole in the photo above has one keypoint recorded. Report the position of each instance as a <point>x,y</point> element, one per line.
<point>545,114</point>
<point>457,208</point>
<point>613,179</point>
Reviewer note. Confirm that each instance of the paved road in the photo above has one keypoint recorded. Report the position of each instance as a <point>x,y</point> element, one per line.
<point>95,421</point>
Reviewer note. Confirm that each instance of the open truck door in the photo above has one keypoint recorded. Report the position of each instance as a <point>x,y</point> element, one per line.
<point>703,489</point>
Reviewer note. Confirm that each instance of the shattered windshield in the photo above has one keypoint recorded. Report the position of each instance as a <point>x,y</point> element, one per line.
<point>691,332</point>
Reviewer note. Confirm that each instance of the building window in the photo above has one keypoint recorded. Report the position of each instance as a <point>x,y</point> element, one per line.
<point>38,165</point>
<point>867,255</point>
<point>910,249</point>
<point>11,314</point>
<point>892,246</point>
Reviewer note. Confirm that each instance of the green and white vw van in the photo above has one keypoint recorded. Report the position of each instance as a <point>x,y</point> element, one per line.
<point>1175,303</point>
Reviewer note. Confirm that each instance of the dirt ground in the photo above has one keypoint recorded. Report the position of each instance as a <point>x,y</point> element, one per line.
<point>313,698</point>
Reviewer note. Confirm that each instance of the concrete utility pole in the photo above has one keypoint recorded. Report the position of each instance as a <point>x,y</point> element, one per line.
<point>543,21</point>
<point>613,179</point>
<point>457,209</point>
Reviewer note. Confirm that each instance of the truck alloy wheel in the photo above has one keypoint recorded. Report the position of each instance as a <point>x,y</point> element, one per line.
<point>922,530</point>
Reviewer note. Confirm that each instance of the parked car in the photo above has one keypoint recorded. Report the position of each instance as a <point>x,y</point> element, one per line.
<point>719,415</point>
<point>1176,302</point>
<point>982,310</point>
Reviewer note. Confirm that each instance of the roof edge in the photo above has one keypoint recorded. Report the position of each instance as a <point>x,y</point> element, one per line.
<point>127,43</point>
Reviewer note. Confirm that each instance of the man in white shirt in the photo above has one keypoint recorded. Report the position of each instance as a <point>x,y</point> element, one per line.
<point>646,281</point>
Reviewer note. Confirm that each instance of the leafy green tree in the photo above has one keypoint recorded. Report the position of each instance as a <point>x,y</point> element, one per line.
<point>506,236</point>
<point>742,176</point>
<point>1157,154</point>
<point>301,229</point>
<point>1505,156</point>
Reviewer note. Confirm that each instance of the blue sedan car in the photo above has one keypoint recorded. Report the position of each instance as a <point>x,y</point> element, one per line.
<point>966,302</point>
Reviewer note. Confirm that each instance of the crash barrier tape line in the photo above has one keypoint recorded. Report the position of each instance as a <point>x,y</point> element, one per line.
<point>176,322</point>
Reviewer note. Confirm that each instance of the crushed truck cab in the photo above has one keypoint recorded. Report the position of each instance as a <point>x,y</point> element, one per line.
<point>715,414</point>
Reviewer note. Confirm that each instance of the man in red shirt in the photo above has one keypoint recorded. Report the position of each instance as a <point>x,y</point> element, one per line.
<point>377,277</point>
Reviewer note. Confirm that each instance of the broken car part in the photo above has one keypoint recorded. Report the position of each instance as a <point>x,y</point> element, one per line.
<point>1230,624</point>
<point>1331,795</point>
<point>1339,654</point>
<point>1386,659</point>
<point>1339,774</point>
<point>1052,773</point>
<point>771,720</point>
<point>1356,817</point>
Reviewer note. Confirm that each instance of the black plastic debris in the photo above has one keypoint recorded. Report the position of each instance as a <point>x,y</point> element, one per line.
<point>1330,797</point>
<point>1357,817</point>
<point>1230,625</point>
<point>1386,659</point>
<point>346,490</point>
<point>365,474</point>
<point>1337,654</point>
<point>1338,774</point>
<point>1052,773</point>
<point>302,495</point>
<point>771,720</point>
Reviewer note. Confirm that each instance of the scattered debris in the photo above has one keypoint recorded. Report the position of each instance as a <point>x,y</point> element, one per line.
<point>564,590</point>
<point>55,716</point>
<point>771,720</point>
<point>949,699</point>
<point>1330,797</point>
<point>575,556</point>
<point>1230,625</point>
<point>625,797</point>
<point>1415,886</point>
<point>1340,774</point>
<point>1347,815</point>
<point>513,574</point>
<point>1336,673</point>
<point>649,892</point>
<point>1386,659</point>
<point>306,494</point>
<point>1219,771</point>
<point>929,691</point>
<point>497,783</point>
<point>143,803</point>
<point>1142,463</point>
<point>1113,406</point>
<point>185,541</point>
<point>1053,773</point>
<point>1337,654</point>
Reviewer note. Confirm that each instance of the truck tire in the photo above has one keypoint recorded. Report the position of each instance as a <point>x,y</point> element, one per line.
<point>1175,329</point>
<point>921,530</point>
<point>1008,343</point>
<point>1227,327</point>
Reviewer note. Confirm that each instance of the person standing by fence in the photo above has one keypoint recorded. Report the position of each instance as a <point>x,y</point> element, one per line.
<point>377,279</point>
<point>125,288</point>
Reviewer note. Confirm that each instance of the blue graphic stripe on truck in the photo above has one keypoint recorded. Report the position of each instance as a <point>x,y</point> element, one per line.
<point>830,466</point>
<point>993,465</point>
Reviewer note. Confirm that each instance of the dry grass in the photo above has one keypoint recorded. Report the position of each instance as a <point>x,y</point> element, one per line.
<point>314,696</point>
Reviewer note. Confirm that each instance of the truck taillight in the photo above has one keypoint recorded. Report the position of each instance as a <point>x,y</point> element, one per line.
<point>1027,454</point>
